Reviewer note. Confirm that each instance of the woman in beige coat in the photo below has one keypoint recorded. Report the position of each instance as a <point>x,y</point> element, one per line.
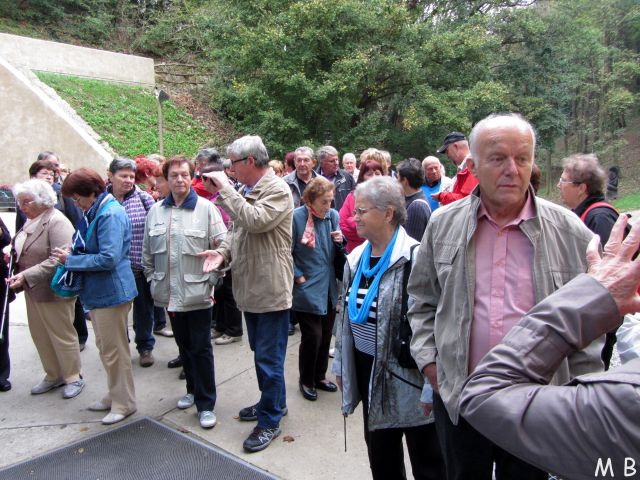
<point>50,316</point>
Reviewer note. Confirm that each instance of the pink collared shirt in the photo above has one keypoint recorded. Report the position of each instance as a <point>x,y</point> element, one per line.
<point>504,289</point>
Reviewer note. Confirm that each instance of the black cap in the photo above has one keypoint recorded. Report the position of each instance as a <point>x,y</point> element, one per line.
<point>453,137</point>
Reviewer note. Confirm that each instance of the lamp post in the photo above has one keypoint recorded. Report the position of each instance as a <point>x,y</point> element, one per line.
<point>161,97</point>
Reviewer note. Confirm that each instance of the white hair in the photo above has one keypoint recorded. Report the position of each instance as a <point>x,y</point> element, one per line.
<point>500,119</point>
<point>250,145</point>
<point>42,193</point>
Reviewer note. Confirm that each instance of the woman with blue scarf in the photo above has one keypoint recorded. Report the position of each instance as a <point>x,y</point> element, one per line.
<point>98,267</point>
<point>365,366</point>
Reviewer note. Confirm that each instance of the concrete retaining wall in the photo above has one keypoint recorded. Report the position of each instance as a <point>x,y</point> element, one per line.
<point>33,54</point>
<point>31,121</point>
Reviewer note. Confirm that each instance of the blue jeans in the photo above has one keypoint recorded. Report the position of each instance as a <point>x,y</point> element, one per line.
<point>192,333</point>
<point>268,335</point>
<point>143,314</point>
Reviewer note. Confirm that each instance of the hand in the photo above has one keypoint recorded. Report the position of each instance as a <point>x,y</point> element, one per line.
<point>336,236</point>
<point>213,260</point>
<point>427,408</point>
<point>616,270</point>
<point>339,381</point>
<point>300,280</point>
<point>436,196</point>
<point>15,282</point>
<point>60,254</point>
<point>431,372</point>
<point>7,258</point>
<point>215,181</point>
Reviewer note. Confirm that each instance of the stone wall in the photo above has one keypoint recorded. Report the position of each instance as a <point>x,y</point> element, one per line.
<point>46,56</point>
<point>180,77</point>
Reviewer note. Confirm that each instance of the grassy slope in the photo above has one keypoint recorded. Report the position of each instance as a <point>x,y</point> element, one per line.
<point>126,117</point>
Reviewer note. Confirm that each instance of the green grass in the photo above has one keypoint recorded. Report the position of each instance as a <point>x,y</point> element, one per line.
<point>127,117</point>
<point>628,202</point>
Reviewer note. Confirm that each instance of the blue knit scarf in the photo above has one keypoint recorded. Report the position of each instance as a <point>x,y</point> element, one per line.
<point>360,315</point>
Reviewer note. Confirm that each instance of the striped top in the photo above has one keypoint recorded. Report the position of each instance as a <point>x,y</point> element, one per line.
<point>364,334</point>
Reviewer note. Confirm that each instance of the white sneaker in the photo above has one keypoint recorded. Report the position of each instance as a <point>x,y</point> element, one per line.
<point>186,402</point>
<point>45,385</point>
<point>73,389</point>
<point>226,339</point>
<point>207,419</point>
<point>99,406</point>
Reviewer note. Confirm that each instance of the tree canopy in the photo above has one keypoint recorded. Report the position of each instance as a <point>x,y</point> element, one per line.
<point>396,74</point>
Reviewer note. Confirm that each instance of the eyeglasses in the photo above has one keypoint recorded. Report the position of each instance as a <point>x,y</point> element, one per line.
<point>233,162</point>
<point>76,200</point>
<point>24,204</point>
<point>361,211</point>
<point>562,180</point>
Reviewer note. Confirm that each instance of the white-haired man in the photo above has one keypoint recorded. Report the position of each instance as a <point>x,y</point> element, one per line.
<point>434,180</point>
<point>483,263</point>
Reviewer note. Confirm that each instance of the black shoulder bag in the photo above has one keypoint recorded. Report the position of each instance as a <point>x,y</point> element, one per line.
<point>401,344</point>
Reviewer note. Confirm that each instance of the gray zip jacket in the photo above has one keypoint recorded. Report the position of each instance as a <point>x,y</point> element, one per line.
<point>394,392</point>
<point>443,285</point>
<point>579,431</point>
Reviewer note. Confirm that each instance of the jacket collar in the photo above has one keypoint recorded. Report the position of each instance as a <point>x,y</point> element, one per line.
<point>401,249</point>
<point>189,202</point>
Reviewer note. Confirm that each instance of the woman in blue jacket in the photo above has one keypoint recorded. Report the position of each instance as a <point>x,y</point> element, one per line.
<point>100,256</point>
<point>316,241</point>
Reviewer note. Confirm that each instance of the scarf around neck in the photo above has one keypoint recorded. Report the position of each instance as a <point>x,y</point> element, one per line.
<point>309,235</point>
<point>360,315</point>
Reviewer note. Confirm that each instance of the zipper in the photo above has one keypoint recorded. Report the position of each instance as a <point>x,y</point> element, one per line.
<point>404,380</point>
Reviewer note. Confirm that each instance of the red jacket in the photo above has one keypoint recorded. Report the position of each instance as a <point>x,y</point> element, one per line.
<point>348,224</point>
<point>464,184</point>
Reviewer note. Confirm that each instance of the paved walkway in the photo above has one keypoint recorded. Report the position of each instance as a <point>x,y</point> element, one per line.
<point>31,425</point>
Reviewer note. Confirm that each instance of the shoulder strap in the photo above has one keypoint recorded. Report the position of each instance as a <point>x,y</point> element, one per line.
<point>405,283</point>
<point>95,220</point>
<point>583,217</point>
<point>144,199</point>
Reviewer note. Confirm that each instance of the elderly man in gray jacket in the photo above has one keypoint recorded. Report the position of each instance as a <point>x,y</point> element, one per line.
<point>258,250</point>
<point>484,261</point>
<point>591,427</point>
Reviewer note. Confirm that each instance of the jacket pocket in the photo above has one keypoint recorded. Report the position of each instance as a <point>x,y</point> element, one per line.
<point>158,240</point>
<point>197,288</point>
<point>159,287</point>
<point>193,242</point>
<point>443,258</point>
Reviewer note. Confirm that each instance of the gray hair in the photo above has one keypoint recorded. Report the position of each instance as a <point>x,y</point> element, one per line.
<point>585,168</point>
<point>250,145</point>
<point>121,163</point>
<point>304,151</point>
<point>226,163</point>
<point>501,119</point>
<point>431,158</point>
<point>211,155</point>
<point>349,155</point>
<point>42,193</point>
<point>156,157</point>
<point>324,152</point>
<point>384,192</point>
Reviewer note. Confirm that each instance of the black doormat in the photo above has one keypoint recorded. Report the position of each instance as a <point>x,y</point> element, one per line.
<point>140,450</point>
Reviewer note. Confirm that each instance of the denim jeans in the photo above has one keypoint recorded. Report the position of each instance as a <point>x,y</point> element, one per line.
<point>268,336</point>
<point>192,332</point>
<point>143,314</point>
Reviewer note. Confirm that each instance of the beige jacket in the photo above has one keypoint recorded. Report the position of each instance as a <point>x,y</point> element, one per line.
<point>258,245</point>
<point>443,285</point>
<point>36,264</point>
<point>566,430</point>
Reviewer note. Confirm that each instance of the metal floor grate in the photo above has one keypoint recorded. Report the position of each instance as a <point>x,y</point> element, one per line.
<point>140,450</point>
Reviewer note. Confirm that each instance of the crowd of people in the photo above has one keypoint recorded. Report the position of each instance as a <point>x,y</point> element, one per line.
<point>420,277</point>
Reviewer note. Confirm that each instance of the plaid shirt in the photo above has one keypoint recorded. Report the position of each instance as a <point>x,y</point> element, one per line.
<point>137,204</point>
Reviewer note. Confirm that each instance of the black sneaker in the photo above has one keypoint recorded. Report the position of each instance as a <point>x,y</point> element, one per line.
<point>260,438</point>
<point>250,414</point>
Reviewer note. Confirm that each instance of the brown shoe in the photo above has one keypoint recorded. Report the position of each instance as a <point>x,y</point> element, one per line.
<point>146,359</point>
